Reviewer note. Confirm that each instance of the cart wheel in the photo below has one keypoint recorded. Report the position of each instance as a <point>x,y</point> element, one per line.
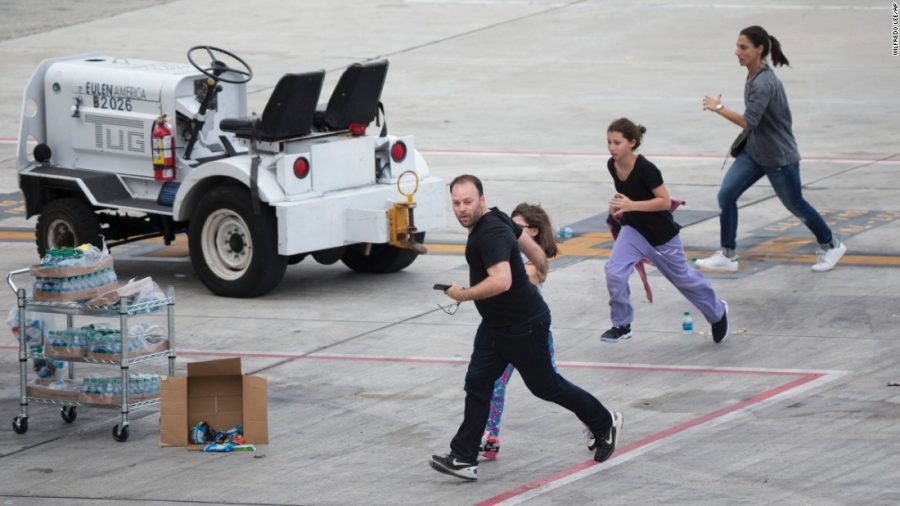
<point>120,436</point>
<point>69,414</point>
<point>20,424</point>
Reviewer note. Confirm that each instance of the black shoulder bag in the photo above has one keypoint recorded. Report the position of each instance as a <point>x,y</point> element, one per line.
<point>740,142</point>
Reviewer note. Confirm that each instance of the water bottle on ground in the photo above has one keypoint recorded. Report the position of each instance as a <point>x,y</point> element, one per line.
<point>687,323</point>
<point>563,233</point>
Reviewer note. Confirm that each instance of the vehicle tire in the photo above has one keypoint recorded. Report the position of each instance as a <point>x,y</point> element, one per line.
<point>68,223</point>
<point>329,256</point>
<point>234,251</point>
<point>382,258</point>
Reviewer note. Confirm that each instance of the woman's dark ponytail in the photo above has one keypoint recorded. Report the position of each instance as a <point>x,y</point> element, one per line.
<point>758,36</point>
<point>778,57</point>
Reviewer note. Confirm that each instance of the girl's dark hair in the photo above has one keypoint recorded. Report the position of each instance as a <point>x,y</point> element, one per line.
<point>628,130</point>
<point>535,216</point>
<point>760,37</point>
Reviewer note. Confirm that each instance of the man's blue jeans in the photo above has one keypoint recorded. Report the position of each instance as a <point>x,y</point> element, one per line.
<point>786,182</point>
<point>524,345</point>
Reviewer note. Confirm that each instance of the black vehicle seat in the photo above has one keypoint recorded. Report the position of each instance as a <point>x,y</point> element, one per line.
<point>355,97</point>
<point>288,113</point>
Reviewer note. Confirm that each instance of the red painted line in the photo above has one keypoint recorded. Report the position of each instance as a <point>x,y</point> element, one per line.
<point>596,154</point>
<point>803,379</point>
<point>653,368</point>
<point>464,361</point>
<point>348,358</point>
<point>540,482</point>
<point>590,154</point>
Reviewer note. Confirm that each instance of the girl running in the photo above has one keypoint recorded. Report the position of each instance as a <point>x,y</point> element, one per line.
<point>534,222</point>
<point>648,231</point>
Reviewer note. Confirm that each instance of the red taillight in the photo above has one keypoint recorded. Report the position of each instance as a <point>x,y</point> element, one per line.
<point>301,167</point>
<point>357,128</point>
<point>398,151</point>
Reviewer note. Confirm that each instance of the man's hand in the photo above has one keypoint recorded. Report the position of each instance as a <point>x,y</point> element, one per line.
<point>498,280</point>
<point>456,292</point>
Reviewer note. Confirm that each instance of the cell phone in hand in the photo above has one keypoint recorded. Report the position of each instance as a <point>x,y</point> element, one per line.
<point>440,286</point>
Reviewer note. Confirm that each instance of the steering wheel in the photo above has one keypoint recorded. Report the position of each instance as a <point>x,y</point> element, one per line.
<point>217,68</point>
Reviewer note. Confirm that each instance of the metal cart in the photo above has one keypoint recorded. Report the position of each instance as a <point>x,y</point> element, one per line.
<point>70,309</point>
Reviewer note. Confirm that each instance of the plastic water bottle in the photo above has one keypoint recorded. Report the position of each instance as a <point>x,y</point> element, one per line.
<point>687,323</point>
<point>59,367</point>
<point>564,233</point>
<point>80,342</point>
<point>137,387</point>
<point>109,389</point>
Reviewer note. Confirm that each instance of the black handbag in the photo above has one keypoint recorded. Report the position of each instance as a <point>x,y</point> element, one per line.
<point>739,143</point>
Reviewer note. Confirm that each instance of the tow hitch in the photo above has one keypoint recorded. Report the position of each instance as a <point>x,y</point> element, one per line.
<point>401,219</point>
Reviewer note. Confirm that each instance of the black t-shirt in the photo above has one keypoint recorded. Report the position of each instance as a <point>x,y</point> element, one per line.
<point>658,227</point>
<point>494,240</point>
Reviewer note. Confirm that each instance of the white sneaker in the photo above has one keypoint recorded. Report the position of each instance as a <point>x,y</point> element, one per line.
<point>718,262</point>
<point>829,258</point>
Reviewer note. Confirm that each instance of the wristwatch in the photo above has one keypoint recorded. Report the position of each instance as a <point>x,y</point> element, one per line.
<point>719,107</point>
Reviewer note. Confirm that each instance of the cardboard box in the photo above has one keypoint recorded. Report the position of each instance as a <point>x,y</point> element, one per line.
<point>218,393</point>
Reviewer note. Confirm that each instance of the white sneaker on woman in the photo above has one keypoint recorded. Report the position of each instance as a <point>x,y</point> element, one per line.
<point>829,258</point>
<point>718,262</point>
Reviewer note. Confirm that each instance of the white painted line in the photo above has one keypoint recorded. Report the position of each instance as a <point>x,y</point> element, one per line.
<point>535,489</point>
<point>804,381</point>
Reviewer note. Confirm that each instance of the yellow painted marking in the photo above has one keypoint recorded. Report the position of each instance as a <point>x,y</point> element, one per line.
<point>777,245</point>
<point>879,260</point>
<point>178,248</point>
<point>582,245</point>
<point>445,248</point>
<point>173,250</point>
<point>15,235</point>
<point>585,245</point>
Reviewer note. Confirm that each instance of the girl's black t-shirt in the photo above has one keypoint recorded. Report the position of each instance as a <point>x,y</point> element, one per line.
<point>493,240</point>
<point>658,227</point>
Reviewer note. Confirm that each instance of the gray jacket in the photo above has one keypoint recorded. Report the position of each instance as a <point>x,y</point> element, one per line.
<point>771,140</point>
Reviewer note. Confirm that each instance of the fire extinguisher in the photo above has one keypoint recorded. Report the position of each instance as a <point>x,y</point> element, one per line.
<point>163,150</point>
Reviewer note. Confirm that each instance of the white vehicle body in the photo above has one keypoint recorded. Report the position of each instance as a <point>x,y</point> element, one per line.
<point>96,114</point>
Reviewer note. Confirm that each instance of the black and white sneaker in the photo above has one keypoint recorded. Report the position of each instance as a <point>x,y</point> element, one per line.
<point>616,334</point>
<point>606,444</point>
<point>589,438</point>
<point>720,328</point>
<point>454,467</point>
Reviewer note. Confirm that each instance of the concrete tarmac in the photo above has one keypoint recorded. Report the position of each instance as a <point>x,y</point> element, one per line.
<point>366,372</point>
